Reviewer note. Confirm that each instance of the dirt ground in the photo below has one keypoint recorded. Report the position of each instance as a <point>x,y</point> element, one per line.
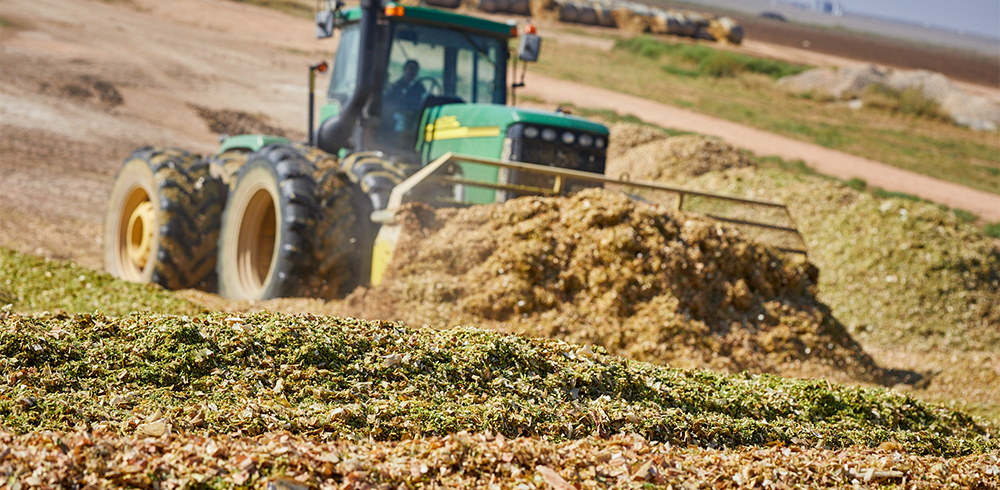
<point>84,82</point>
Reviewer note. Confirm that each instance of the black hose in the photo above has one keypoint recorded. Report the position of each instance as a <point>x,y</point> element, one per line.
<point>335,132</point>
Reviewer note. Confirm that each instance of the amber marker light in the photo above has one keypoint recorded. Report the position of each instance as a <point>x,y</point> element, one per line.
<point>394,10</point>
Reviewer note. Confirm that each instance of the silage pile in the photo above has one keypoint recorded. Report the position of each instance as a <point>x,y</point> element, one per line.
<point>327,378</point>
<point>895,271</point>
<point>602,269</point>
<point>974,111</point>
<point>462,460</point>
<point>904,271</point>
<point>625,136</point>
<point>645,153</point>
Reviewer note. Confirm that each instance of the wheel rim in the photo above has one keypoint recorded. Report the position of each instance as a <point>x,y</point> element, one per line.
<point>135,234</point>
<point>140,234</point>
<point>255,246</point>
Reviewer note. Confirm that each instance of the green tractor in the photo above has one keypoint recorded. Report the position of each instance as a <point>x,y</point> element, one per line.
<point>416,109</point>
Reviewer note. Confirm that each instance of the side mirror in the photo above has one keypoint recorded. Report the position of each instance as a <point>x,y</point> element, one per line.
<point>529,47</point>
<point>325,22</point>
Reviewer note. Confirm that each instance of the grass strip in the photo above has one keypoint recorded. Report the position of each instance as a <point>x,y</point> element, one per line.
<point>992,230</point>
<point>696,60</point>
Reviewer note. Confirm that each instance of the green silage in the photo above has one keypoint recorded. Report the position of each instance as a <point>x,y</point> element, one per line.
<point>33,285</point>
<point>333,378</point>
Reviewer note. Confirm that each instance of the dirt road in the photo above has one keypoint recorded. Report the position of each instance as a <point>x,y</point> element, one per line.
<point>83,82</point>
<point>824,160</point>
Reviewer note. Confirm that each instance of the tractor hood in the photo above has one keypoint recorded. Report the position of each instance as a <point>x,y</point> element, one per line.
<point>480,129</point>
<point>502,132</point>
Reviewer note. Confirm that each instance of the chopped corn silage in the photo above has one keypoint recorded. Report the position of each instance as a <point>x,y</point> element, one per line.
<point>645,153</point>
<point>909,279</point>
<point>894,270</point>
<point>213,375</point>
<point>467,460</point>
<point>637,279</point>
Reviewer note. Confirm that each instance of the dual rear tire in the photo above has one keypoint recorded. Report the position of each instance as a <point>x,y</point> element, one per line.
<point>293,226</point>
<point>287,222</point>
<point>162,222</point>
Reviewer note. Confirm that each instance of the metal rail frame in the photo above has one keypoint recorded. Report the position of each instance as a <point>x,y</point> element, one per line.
<point>399,193</point>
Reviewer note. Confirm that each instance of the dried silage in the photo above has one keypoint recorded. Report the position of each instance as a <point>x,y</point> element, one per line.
<point>625,136</point>
<point>673,158</point>
<point>600,268</point>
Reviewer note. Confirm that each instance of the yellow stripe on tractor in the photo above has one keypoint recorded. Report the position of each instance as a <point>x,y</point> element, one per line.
<point>448,128</point>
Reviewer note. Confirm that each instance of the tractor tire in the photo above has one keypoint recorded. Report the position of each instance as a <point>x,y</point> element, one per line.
<point>346,264</point>
<point>348,234</point>
<point>376,175</point>
<point>162,221</point>
<point>288,229</point>
<point>226,166</point>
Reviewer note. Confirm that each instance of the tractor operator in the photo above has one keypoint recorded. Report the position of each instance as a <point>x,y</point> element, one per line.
<point>404,100</point>
<point>406,93</point>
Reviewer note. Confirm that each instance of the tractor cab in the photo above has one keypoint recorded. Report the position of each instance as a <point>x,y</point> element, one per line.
<point>421,58</point>
<point>414,83</point>
<point>429,66</point>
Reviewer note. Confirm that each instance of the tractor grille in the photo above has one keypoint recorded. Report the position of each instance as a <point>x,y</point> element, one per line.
<point>558,155</point>
<point>555,153</point>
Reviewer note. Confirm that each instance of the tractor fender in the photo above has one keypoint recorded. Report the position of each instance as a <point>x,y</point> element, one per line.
<point>251,142</point>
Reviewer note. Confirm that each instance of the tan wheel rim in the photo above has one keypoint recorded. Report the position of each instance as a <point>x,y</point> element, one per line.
<point>255,246</point>
<point>135,234</point>
<point>140,234</point>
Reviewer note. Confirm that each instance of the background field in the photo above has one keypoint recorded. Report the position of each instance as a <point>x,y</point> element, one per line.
<point>907,289</point>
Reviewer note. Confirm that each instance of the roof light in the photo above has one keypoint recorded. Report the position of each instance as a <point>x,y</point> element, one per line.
<point>531,132</point>
<point>394,10</point>
<point>568,138</point>
<point>513,27</point>
<point>549,134</point>
<point>599,143</point>
<point>586,140</point>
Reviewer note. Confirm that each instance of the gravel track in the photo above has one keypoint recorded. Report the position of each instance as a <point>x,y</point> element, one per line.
<point>824,160</point>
